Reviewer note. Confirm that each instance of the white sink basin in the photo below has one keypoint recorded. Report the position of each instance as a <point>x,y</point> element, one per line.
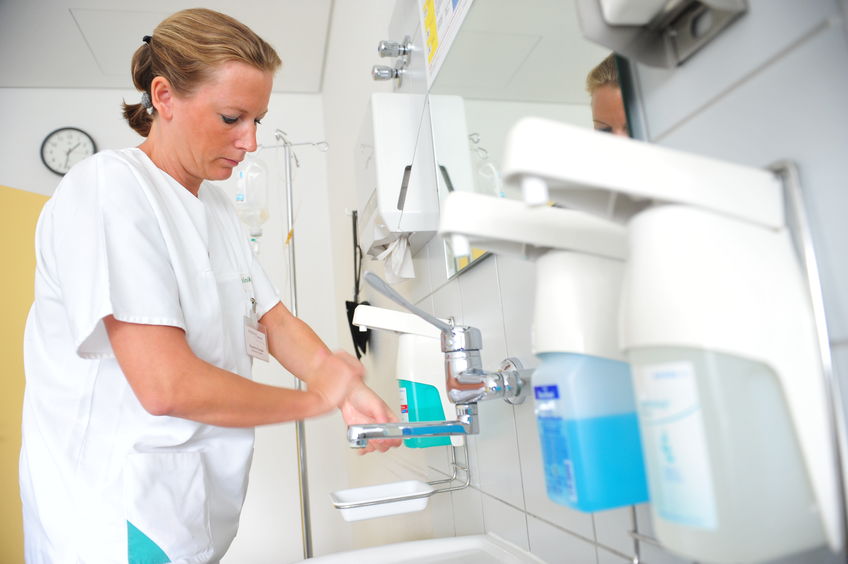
<point>475,549</point>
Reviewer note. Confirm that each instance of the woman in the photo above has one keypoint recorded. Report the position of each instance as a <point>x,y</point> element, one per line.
<point>608,113</point>
<point>139,408</point>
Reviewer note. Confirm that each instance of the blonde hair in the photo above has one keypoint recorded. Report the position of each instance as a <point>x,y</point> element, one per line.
<point>605,73</point>
<point>186,48</point>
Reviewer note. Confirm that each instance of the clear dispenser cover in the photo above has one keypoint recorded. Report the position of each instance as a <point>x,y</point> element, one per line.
<point>727,479</point>
<point>589,432</point>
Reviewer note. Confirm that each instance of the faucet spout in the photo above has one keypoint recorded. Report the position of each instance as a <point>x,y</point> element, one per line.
<point>465,424</point>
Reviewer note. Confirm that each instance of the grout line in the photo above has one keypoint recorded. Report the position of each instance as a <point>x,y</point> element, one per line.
<point>771,61</point>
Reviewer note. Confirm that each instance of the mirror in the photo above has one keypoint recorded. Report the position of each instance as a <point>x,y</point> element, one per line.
<point>509,60</point>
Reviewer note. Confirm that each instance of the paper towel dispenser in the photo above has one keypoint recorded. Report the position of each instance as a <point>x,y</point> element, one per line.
<point>396,185</point>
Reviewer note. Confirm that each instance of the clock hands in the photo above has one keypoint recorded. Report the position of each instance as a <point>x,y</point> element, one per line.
<point>68,153</point>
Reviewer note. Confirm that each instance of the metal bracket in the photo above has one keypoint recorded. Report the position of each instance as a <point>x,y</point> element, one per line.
<point>672,37</point>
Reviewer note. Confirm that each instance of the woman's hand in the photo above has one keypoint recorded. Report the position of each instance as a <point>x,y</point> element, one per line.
<point>362,405</point>
<point>335,377</point>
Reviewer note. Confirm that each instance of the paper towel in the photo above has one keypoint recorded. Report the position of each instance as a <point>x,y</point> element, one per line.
<point>397,260</point>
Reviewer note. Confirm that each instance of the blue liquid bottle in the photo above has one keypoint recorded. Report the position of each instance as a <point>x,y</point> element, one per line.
<point>589,432</point>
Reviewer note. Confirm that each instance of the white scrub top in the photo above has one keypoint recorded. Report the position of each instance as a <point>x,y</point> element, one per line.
<point>102,480</point>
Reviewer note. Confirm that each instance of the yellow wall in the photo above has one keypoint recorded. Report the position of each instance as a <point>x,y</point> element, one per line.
<point>18,214</point>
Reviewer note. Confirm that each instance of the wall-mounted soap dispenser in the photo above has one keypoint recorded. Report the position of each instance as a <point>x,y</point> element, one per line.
<point>585,407</point>
<point>717,323</point>
<point>419,369</point>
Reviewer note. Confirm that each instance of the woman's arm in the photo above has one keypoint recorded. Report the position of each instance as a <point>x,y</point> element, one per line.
<point>169,379</point>
<point>296,346</point>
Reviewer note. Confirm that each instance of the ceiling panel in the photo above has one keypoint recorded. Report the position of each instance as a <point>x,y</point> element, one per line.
<point>89,43</point>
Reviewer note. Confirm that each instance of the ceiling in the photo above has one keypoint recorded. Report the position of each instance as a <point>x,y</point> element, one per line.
<point>89,43</point>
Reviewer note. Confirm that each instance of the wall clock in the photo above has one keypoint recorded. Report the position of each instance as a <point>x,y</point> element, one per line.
<point>65,147</point>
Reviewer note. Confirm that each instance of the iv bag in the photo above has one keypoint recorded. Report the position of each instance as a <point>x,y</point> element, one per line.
<point>252,194</point>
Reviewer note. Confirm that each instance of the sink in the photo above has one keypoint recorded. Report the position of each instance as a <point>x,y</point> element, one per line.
<point>474,549</point>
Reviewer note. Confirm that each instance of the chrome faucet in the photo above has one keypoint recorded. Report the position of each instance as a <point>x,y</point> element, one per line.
<point>466,380</point>
<point>465,424</point>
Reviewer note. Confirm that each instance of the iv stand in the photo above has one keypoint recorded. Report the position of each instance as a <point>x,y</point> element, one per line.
<point>300,429</point>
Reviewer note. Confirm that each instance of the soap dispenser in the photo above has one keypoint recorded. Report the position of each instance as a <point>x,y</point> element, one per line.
<point>584,402</point>
<point>419,369</point>
<point>718,326</point>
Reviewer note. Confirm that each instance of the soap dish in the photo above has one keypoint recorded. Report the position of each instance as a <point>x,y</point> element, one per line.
<point>385,499</point>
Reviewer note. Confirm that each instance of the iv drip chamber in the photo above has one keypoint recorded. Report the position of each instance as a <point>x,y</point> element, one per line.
<point>251,199</point>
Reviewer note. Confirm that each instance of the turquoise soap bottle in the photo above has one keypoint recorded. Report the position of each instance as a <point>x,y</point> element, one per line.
<point>421,384</point>
<point>589,432</point>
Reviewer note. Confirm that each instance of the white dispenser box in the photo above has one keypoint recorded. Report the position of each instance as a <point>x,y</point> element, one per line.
<point>718,326</point>
<point>396,188</point>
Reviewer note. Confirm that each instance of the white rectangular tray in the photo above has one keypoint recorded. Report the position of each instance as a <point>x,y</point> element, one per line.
<point>385,499</point>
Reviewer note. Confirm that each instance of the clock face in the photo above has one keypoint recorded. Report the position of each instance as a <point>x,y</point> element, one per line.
<point>65,147</point>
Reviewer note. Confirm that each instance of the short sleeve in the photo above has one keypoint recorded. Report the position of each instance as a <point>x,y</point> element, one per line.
<point>265,293</point>
<point>109,256</point>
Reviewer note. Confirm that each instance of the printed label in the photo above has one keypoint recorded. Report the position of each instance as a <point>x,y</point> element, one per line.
<point>559,471</point>
<point>404,406</point>
<point>675,444</point>
<point>546,392</point>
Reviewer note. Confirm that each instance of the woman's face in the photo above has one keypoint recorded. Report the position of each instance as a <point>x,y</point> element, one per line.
<point>216,124</point>
<point>608,110</point>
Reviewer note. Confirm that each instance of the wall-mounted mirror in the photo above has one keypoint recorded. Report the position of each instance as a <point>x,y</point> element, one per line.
<point>509,60</point>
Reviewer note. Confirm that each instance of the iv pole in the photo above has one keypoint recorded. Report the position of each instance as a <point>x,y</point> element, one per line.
<point>300,429</point>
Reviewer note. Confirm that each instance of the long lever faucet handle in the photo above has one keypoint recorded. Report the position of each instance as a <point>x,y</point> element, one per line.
<point>380,285</point>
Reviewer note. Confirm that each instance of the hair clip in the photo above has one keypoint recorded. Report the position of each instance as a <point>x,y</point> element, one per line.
<point>146,39</point>
<point>145,101</point>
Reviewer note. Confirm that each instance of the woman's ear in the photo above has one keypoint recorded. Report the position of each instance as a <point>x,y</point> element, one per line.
<point>162,96</point>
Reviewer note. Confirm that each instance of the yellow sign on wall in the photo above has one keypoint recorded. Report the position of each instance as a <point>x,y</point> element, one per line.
<point>18,214</point>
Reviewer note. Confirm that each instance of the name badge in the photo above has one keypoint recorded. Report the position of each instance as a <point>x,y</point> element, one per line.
<point>255,339</point>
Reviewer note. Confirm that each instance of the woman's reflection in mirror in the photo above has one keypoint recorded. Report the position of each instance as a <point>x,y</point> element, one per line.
<point>607,104</point>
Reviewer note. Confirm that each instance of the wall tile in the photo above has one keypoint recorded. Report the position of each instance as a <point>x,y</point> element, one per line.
<point>533,474</point>
<point>517,280</point>
<point>447,302</point>
<point>612,529</point>
<point>649,552</point>
<point>555,545</point>
<point>770,26</point>
<point>656,555</point>
<point>442,515</point>
<point>468,512</point>
<point>607,557</point>
<point>498,465</point>
<point>481,307</point>
<point>436,265</point>
<point>644,522</point>
<point>474,461</point>
<point>438,458</point>
<point>778,114</point>
<point>505,521</point>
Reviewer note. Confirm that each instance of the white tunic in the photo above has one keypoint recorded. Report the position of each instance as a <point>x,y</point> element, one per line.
<point>102,480</point>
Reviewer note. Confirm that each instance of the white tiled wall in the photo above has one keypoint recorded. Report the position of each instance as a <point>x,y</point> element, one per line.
<point>772,87</point>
